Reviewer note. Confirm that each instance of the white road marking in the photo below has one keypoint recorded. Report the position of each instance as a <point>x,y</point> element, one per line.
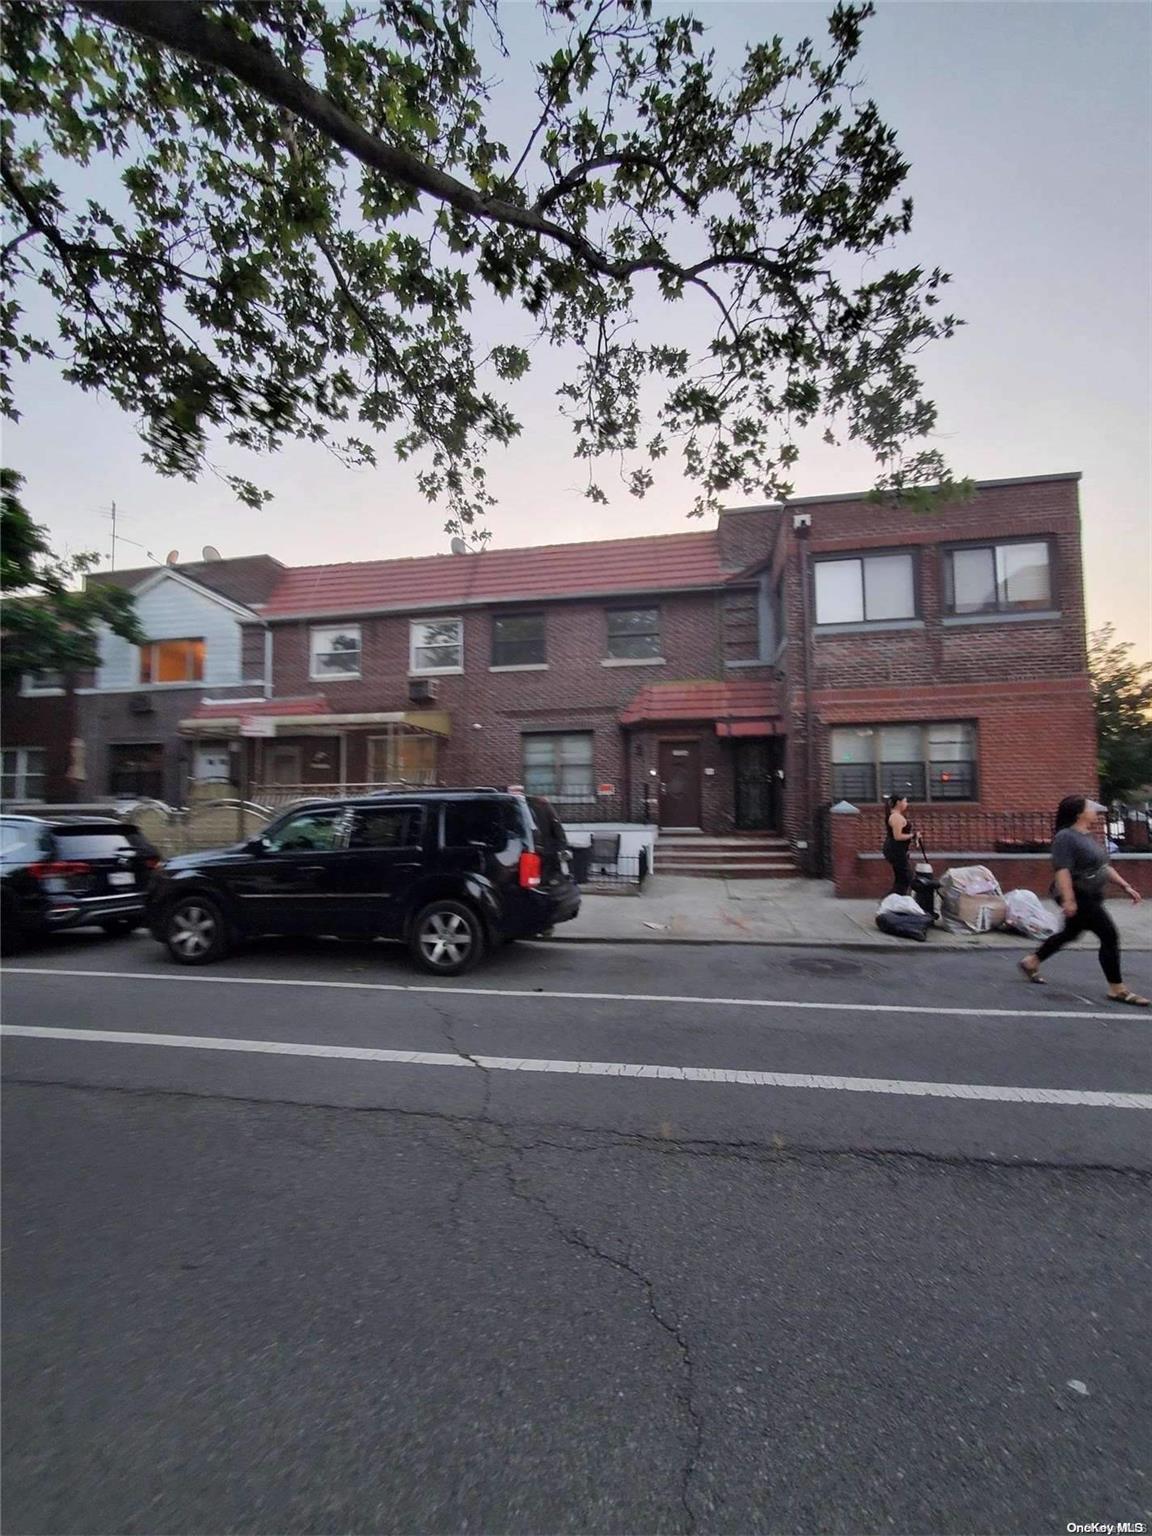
<point>928,1009</point>
<point>1076,1097</point>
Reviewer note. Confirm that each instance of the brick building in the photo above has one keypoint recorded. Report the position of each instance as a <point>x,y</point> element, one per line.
<point>739,678</point>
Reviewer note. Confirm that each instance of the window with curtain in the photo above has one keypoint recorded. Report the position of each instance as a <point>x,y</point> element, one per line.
<point>559,765</point>
<point>998,578</point>
<point>924,762</point>
<point>172,661</point>
<point>865,589</point>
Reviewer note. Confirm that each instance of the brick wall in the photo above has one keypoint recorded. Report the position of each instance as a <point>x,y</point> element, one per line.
<point>48,722</point>
<point>574,692</point>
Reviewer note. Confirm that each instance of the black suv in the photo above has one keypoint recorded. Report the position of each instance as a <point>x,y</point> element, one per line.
<point>70,871</point>
<point>450,872</point>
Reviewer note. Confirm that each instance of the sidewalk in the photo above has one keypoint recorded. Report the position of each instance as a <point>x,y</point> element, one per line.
<point>682,910</point>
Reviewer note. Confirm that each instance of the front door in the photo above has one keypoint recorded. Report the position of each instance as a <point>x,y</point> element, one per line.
<point>282,765</point>
<point>757,784</point>
<point>679,784</point>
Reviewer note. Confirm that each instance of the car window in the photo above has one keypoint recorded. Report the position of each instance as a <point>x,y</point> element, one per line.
<point>391,826</point>
<point>487,823</point>
<point>77,843</point>
<point>310,832</point>
<point>20,840</point>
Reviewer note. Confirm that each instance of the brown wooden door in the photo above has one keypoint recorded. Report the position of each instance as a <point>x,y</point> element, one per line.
<point>679,783</point>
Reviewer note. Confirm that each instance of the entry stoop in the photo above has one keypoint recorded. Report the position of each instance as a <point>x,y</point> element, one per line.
<point>739,856</point>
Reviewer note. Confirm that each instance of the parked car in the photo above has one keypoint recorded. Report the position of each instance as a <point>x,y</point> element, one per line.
<point>69,872</point>
<point>452,873</point>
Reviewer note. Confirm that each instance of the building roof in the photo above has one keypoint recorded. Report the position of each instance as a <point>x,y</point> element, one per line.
<point>248,579</point>
<point>664,563</point>
<point>702,700</point>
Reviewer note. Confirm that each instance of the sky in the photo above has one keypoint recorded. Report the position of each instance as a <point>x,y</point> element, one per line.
<point>1029,130</point>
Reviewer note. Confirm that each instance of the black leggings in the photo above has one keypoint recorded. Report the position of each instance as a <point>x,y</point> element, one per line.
<point>1090,918</point>
<point>897,856</point>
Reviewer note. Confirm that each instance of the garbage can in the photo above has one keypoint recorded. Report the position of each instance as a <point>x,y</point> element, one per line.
<point>581,862</point>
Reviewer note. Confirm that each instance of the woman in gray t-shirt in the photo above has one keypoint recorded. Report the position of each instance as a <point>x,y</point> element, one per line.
<point>1083,874</point>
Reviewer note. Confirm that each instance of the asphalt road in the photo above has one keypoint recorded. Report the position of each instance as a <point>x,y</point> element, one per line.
<point>748,1241</point>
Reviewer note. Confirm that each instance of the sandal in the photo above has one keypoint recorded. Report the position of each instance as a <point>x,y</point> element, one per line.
<point>1032,973</point>
<point>1133,999</point>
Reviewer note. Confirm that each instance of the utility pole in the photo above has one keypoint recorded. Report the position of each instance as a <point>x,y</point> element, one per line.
<point>113,516</point>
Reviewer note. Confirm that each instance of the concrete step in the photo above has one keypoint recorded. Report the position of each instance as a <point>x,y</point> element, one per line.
<point>698,840</point>
<point>752,851</point>
<point>731,871</point>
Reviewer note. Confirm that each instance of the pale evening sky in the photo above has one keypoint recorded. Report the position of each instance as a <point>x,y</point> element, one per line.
<point>1029,131</point>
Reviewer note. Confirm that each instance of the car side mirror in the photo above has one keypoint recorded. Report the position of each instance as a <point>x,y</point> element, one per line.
<point>255,845</point>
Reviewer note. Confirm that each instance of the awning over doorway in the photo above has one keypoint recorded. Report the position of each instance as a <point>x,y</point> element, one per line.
<point>736,709</point>
<point>270,717</point>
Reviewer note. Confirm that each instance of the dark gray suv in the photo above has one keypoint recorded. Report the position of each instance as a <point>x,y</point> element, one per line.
<point>452,873</point>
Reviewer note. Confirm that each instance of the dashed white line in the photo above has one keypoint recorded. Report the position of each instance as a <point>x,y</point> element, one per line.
<point>1062,1097</point>
<point>923,1009</point>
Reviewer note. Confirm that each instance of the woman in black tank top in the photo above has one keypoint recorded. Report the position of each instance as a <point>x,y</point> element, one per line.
<point>898,837</point>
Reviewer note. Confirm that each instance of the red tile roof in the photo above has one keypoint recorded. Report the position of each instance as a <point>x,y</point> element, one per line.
<point>702,701</point>
<point>652,564</point>
<point>232,709</point>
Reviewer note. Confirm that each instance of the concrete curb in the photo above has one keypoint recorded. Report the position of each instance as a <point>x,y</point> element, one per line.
<point>1010,946</point>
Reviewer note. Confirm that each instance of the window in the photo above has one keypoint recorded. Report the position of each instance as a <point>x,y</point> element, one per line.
<point>22,773</point>
<point>559,766</point>
<point>865,589</point>
<point>22,840</point>
<point>998,578</point>
<point>335,652</point>
<point>487,823</point>
<point>437,645</point>
<point>633,633</point>
<point>518,640</point>
<point>45,681</point>
<point>136,771</point>
<point>309,832</point>
<point>924,762</point>
<point>172,661</point>
<point>404,756</point>
<point>392,826</point>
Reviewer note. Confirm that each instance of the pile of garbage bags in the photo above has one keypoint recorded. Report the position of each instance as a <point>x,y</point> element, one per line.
<point>971,897</point>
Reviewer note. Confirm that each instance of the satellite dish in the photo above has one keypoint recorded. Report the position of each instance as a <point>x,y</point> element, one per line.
<point>210,552</point>
<point>172,557</point>
<point>459,547</point>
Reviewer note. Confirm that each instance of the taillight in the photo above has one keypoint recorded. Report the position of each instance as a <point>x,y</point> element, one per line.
<point>530,869</point>
<point>151,863</point>
<point>62,869</point>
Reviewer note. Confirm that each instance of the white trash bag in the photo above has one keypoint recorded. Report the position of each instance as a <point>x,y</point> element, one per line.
<point>1026,914</point>
<point>906,904</point>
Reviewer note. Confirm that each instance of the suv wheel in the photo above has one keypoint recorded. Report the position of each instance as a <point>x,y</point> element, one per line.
<point>195,931</point>
<point>447,938</point>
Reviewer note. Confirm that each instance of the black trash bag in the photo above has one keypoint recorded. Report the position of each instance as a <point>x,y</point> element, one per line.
<point>902,925</point>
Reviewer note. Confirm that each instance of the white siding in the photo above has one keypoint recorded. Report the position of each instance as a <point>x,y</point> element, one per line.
<point>171,611</point>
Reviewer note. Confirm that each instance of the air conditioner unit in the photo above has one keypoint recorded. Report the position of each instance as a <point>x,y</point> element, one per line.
<point>141,704</point>
<point>423,690</point>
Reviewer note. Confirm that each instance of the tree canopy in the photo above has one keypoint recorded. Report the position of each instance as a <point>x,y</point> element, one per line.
<point>1122,688</point>
<point>47,625</point>
<point>270,219</point>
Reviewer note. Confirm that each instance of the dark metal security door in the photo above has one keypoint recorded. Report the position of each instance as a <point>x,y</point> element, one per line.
<point>757,787</point>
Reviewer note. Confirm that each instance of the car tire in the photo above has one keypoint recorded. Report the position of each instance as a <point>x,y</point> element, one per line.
<point>14,937</point>
<point>447,938</point>
<point>118,927</point>
<point>195,930</point>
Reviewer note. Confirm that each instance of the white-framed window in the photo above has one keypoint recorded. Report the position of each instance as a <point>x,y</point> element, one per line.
<point>172,661</point>
<point>335,652</point>
<point>558,764</point>
<point>998,578</point>
<point>865,589</point>
<point>47,681</point>
<point>22,773</point>
<point>436,645</point>
<point>633,633</point>
<point>924,762</point>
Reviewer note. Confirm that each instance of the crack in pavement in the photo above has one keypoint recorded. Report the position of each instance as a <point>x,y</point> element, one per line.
<point>574,1237</point>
